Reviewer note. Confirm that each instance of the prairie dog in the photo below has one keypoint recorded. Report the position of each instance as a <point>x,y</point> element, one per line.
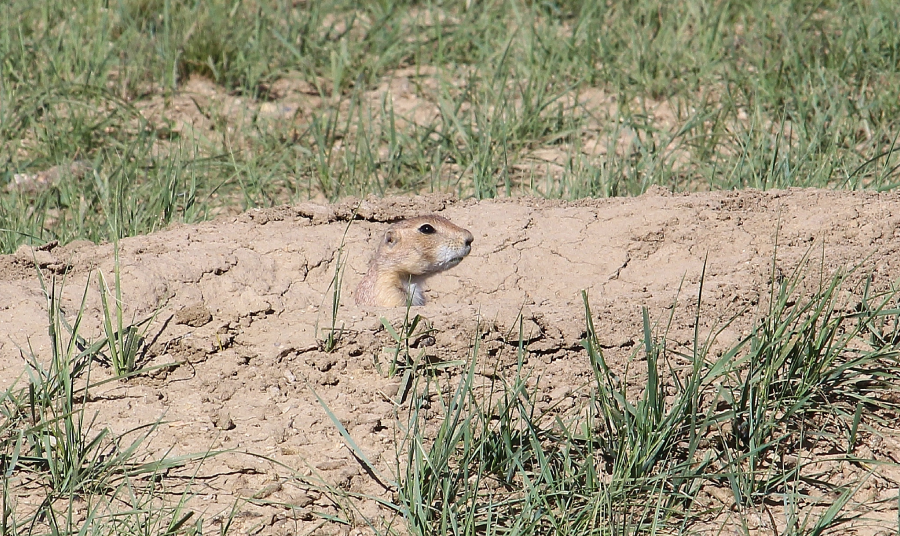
<point>411,251</point>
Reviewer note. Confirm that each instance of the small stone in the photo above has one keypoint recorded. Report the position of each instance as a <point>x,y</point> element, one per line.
<point>330,465</point>
<point>222,420</point>
<point>267,490</point>
<point>329,378</point>
<point>300,499</point>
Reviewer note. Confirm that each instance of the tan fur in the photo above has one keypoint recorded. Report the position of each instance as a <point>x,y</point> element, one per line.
<point>407,255</point>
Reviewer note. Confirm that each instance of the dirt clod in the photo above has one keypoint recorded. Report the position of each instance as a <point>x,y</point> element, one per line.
<point>195,315</point>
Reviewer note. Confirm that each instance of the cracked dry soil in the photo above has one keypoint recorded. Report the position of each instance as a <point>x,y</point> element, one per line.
<point>244,301</point>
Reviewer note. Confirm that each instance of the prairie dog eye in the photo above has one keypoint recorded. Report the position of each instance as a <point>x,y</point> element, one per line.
<point>426,229</point>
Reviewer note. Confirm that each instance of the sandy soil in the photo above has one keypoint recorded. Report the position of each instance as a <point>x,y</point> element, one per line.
<point>244,303</point>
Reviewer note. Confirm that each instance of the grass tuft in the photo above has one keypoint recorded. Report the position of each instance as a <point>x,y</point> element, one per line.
<point>480,454</point>
<point>64,472</point>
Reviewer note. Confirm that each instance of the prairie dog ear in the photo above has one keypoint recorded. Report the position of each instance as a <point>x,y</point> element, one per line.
<point>390,237</point>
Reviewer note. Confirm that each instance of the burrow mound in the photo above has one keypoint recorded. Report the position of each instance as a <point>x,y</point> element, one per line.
<point>243,305</point>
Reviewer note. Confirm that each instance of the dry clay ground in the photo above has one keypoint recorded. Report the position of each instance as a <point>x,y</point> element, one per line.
<point>243,303</point>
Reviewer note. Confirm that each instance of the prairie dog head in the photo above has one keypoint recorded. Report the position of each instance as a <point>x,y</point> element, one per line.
<point>409,252</point>
<point>422,246</point>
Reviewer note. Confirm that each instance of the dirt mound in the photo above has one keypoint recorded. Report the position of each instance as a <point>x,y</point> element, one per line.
<point>244,304</point>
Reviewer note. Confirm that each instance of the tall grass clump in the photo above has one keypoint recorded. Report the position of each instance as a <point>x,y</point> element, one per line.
<point>64,471</point>
<point>643,456</point>
<point>814,374</point>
